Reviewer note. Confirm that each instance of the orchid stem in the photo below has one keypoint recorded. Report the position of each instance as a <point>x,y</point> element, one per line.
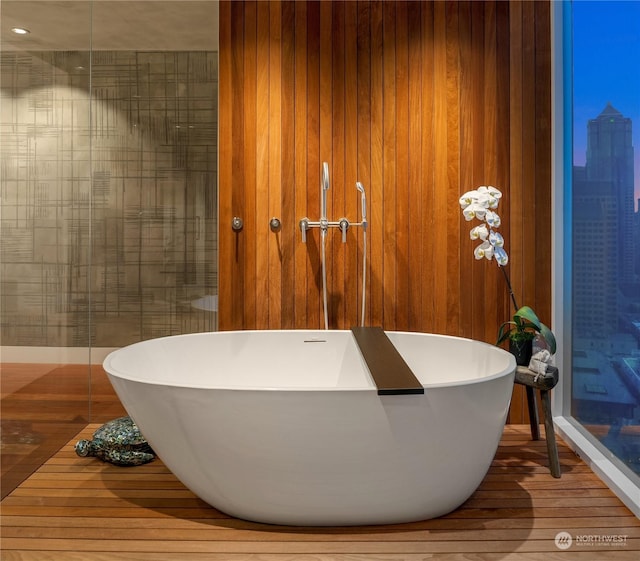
<point>506,277</point>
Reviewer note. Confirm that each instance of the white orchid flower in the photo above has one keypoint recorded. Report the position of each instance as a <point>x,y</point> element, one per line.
<point>468,198</point>
<point>481,232</point>
<point>474,210</point>
<point>489,196</point>
<point>481,204</point>
<point>485,249</point>
<point>495,195</point>
<point>501,256</point>
<point>486,200</point>
<point>496,239</point>
<point>492,219</point>
<point>494,192</point>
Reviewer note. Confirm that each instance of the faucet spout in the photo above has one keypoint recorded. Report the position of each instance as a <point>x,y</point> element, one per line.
<point>324,187</point>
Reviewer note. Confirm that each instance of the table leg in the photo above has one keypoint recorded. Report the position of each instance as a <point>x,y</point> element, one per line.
<point>533,413</point>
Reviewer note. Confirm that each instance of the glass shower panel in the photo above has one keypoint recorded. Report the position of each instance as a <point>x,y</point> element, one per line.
<point>154,152</point>
<point>154,195</point>
<point>45,224</point>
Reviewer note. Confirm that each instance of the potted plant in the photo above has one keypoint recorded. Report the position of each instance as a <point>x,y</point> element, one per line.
<point>520,331</point>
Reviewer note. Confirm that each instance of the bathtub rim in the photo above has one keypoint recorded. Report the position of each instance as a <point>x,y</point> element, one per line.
<point>179,383</point>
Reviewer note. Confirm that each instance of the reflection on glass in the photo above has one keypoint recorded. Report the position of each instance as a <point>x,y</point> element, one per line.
<point>606,226</point>
<point>109,151</point>
<point>154,193</point>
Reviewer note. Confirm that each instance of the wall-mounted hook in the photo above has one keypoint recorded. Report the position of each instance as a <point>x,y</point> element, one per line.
<point>237,223</point>
<point>275,224</point>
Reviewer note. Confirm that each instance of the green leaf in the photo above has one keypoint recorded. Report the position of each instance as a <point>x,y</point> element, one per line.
<point>504,331</point>
<point>549,337</point>
<point>527,313</point>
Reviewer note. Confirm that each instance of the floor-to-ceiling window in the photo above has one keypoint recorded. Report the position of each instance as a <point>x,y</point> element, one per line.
<point>606,248</point>
<point>602,230</point>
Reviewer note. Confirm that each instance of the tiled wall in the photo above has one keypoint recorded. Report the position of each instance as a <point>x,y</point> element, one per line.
<point>108,201</point>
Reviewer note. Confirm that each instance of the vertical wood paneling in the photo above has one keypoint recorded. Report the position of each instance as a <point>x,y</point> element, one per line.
<point>453,166</point>
<point>503,155</point>
<point>263,121</point>
<point>529,150</point>
<point>515,226</point>
<point>303,282</point>
<point>439,232</point>
<point>326,137</point>
<point>249,146</point>
<point>489,134</point>
<point>427,229</point>
<point>389,163</point>
<point>353,286</point>
<point>286,238</point>
<point>400,204</point>
<point>274,161</point>
<point>412,265</point>
<point>339,191</point>
<point>314,163</point>
<point>543,159</point>
<point>479,175</point>
<point>226,252</point>
<point>363,160</point>
<point>467,97</point>
<point>420,101</point>
<point>232,258</point>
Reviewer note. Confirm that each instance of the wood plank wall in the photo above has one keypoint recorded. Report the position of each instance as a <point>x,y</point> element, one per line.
<point>420,101</point>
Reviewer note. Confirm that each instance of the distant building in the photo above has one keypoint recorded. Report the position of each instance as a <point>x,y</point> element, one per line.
<point>605,242</point>
<point>595,260</point>
<point>600,396</point>
<point>610,160</point>
<point>636,237</point>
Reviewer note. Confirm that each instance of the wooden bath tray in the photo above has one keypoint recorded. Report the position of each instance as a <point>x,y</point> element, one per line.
<point>390,372</point>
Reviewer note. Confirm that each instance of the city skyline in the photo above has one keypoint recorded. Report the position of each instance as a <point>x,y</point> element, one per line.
<point>606,69</point>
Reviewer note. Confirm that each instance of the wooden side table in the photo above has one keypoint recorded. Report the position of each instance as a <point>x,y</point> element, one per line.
<point>544,383</point>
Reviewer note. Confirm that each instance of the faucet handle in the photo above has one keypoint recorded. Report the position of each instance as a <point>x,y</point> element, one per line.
<point>344,226</point>
<point>304,226</point>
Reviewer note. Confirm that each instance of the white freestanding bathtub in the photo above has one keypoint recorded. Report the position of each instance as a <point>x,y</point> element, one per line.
<point>287,427</point>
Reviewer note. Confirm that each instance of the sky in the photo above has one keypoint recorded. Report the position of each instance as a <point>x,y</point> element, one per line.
<point>606,68</point>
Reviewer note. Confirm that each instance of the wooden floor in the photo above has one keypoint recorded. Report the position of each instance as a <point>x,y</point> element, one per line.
<point>44,405</point>
<point>80,509</point>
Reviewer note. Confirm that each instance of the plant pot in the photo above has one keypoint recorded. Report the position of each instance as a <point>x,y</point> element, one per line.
<point>521,349</point>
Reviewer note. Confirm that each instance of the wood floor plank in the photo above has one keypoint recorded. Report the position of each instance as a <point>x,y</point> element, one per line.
<point>187,556</point>
<point>577,525</point>
<point>216,534</point>
<point>261,546</point>
<point>191,502</point>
